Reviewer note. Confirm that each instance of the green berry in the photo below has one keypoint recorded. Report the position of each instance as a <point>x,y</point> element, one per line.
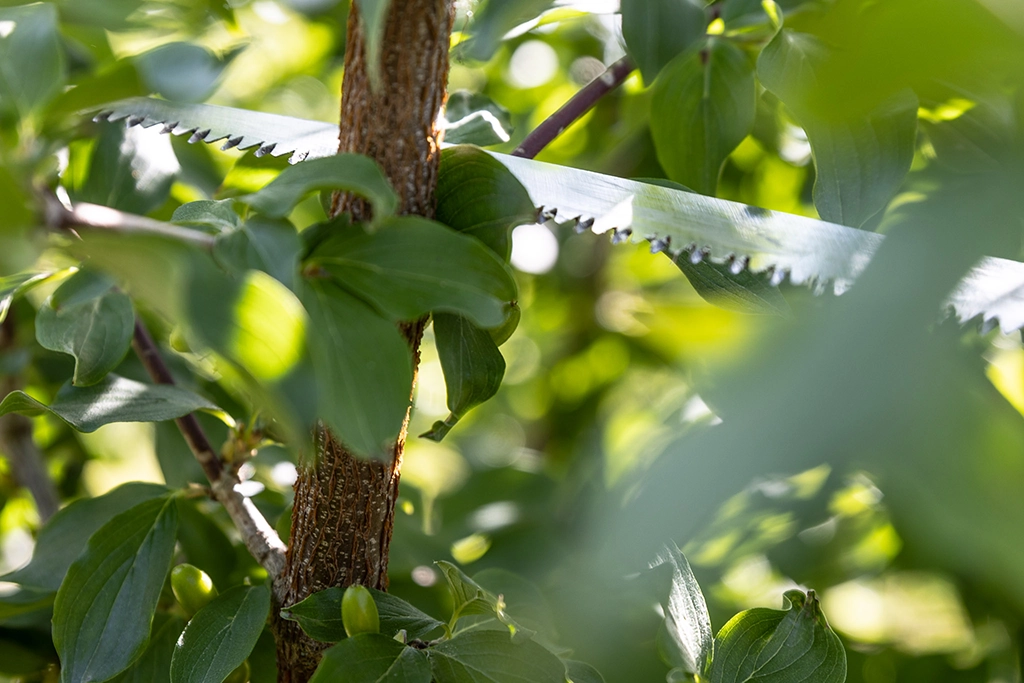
<point>192,587</point>
<point>359,611</point>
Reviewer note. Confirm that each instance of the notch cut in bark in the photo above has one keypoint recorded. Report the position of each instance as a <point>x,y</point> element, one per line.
<point>344,508</point>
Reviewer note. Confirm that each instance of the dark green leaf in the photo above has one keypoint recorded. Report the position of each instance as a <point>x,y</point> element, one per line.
<point>261,244</point>
<point>64,537</point>
<point>34,70</point>
<point>745,292</point>
<point>686,614</point>
<point>104,608</point>
<point>207,213</point>
<point>373,15</point>
<point>130,169</point>
<point>413,266</point>
<point>702,108</point>
<point>221,635</point>
<point>492,657</point>
<point>372,658</point>
<point>115,399</point>
<point>472,364</point>
<point>183,72</point>
<point>154,666</point>
<point>357,354</point>
<point>319,615</point>
<point>772,646</point>
<point>350,172</point>
<point>495,19</point>
<point>581,672</point>
<point>475,119</point>
<point>26,607</point>
<point>657,30</point>
<point>90,320</point>
<point>478,196</point>
<point>860,157</point>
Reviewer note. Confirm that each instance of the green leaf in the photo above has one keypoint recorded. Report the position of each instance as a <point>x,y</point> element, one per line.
<point>472,364</point>
<point>372,658</point>
<point>474,119</point>
<point>154,665</point>
<point>413,266</point>
<point>272,246</point>
<point>104,608</point>
<point>771,646</point>
<point>130,169</point>
<point>33,70</point>
<point>656,31</point>
<point>495,19</point>
<point>319,615</point>
<point>357,353</point>
<point>13,286</point>
<point>90,320</point>
<point>26,607</point>
<point>64,537</point>
<point>183,72</point>
<point>221,635</point>
<point>686,614</point>
<point>469,597</point>
<point>860,157</point>
<point>350,172</point>
<point>492,657</point>
<point>581,672</point>
<point>114,399</point>
<point>477,195</point>
<point>206,213</point>
<point>703,106</point>
<point>374,15</point>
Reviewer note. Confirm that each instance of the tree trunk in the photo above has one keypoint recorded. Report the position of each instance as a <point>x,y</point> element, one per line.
<point>344,507</point>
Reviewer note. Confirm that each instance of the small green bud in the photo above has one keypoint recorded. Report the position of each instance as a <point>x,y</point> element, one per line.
<point>192,587</point>
<point>359,611</point>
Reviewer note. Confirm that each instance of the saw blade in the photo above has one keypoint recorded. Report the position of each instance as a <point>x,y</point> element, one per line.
<point>683,224</point>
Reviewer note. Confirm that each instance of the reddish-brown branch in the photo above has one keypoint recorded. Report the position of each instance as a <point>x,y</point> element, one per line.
<point>580,103</point>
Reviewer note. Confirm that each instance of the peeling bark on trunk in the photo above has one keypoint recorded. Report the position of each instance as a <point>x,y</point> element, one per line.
<point>344,507</point>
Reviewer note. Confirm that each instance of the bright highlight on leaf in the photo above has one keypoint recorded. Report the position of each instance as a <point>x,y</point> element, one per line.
<point>269,335</point>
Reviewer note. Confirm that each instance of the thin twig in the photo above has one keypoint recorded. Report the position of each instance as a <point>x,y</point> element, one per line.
<point>259,537</point>
<point>85,215</point>
<point>580,103</point>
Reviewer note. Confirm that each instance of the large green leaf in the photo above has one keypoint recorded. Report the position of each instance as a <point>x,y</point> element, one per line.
<point>492,657</point>
<point>218,216</point>
<point>861,157</point>
<point>495,19</point>
<point>32,69</point>
<point>657,30</point>
<point>104,608</point>
<point>64,537</point>
<point>476,195</point>
<point>372,658</point>
<point>703,106</point>
<point>475,119</point>
<point>357,353</point>
<point>319,615</point>
<point>373,14</point>
<point>771,646</point>
<point>472,364</point>
<point>259,244</point>
<point>221,635</point>
<point>350,172</point>
<point>686,614</point>
<point>413,266</point>
<point>114,399</point>
<point>90,320</point>
<point>184,72</point>
<point>154,666</point>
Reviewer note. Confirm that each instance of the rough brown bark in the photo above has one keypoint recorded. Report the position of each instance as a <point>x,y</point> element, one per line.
<point>344,507</point>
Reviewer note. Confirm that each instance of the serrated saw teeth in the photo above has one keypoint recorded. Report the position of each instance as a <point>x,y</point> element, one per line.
<point>231,142</point>
<point>264,150</point>
<point>738,264</point>
<point>659,245</point>
<point>102,116</point>
<point>198,136</point>
<point>620,236</point>
<point>584,225</point>
<point>135,120</point>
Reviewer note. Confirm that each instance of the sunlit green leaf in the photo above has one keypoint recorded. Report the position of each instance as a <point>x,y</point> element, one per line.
<point>773,646</point>
<point>478,196</point>
<point>469,598</point>
<point>357,353</point>
<point>657,30</point>
<point>90,320</point>
<point>184,72</point>
<point>104,608</point>
<point>372,658</point>
<point>495,19</point>
<point>34,70</point>
<point>475,119</point>
<point>221,635</point>
<point>350,172</point>
<point>686,614</point>
<point>413,266</point>
<point>64,537</point>
<point>261,244</point>
<point>472,364</point>
<point>704,105</point>
<point>114,399</point>
<point>319,615</point>
<point>13,286</point>
<point>492,657</point>
<point>581,672</point>
<point>216,215</point>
